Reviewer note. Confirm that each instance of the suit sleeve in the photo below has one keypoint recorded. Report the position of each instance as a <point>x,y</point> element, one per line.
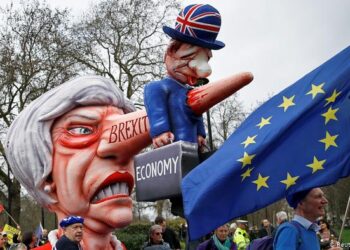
<point>156,96</point>
<point>201,128</point>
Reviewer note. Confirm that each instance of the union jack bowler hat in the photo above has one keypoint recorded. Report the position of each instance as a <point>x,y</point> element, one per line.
<point>197,24</point>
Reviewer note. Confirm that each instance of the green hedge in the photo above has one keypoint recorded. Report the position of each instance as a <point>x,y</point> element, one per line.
<point>134,236</point>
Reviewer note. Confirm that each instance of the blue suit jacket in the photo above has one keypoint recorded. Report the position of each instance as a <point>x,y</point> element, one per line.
<point>167,110</point>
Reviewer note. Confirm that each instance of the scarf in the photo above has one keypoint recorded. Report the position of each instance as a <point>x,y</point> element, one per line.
<point>219,245</point>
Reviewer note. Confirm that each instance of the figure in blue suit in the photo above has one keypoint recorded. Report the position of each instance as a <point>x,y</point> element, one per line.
<point>186,60</point>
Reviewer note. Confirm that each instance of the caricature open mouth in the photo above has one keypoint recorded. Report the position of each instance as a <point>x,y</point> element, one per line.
<point>191,80</point>
<point>114,186</point>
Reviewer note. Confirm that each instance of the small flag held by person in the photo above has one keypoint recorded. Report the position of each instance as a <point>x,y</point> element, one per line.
<point>38,232</point>
<point>295,141</point>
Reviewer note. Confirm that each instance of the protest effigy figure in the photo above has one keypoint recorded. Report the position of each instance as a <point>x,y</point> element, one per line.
<point>58,148</point>
<point>168,102</point>
<point>73,147</point>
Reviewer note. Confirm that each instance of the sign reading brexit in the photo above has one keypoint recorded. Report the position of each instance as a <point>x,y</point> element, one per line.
<point>158,173</point>
<point>128,129</point>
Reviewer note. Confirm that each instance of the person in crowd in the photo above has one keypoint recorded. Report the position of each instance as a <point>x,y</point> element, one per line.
<point>219,241</point>
<point>281,217</point>
<point>18,246</point>
<point>95,179</point>
<point>16,238</point>
<point>2,242</point>
<point>29,239</point>
<point>6,239</point>
<point>72,233</point>
<point>168,234</point>
<point>325,234</point>
<point>300,233</point>
<point>233,227</point>
<point>155,239</point>
<point>241,236</point>
<point>43,238</point>
<point>266,228</point>
<point>183,231</point>
<point>253,232</point>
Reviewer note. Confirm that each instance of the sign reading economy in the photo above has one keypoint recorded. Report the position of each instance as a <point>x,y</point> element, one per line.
<point>158,173</point>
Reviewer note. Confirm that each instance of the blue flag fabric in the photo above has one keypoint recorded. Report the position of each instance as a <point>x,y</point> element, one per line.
<point>38,233</point>
<point>299,139</point>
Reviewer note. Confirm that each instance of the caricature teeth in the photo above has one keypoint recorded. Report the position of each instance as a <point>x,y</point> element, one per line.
<point>113,189</point>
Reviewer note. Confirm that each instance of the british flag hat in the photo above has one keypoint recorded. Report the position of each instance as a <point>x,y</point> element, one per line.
<point>197,24</point>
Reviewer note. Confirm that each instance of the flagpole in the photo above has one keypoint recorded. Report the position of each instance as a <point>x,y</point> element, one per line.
<point>12,218</point>
<point>343,224</point>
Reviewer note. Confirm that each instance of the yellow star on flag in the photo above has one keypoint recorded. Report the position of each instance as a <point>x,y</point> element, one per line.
<point>329,140</point>
<point>330,115</point>
<point>264,122</point>
<point>316,89</point>
<point>249,140</point>
<point>246,159</point>
<point>332,98</point>
<point>247,173</point>
<point>287,102</point>
<point>261,182</point>
<point>290,181</point>
<point>316,165</point>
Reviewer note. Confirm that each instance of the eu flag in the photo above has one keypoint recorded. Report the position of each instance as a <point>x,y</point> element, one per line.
<point>298,139</point>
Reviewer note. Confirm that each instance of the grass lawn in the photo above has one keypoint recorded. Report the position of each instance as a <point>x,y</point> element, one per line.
<point>346,235</point>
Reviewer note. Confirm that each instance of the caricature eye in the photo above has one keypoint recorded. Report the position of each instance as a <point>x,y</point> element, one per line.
<point>80,131</point>
<point>188,57</point>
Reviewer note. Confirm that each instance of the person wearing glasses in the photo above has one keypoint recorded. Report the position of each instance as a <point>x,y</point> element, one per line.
<point>155,241</point>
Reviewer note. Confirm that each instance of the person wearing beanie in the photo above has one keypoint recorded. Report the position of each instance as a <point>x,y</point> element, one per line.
<point>301,232</point>
<point>72,233</point>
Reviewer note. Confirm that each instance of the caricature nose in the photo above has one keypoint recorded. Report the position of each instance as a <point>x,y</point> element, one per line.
<point>124,137</point>
<point>200,66</point>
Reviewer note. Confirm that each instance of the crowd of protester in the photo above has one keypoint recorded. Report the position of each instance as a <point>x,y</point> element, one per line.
<point>306,230</point>
<point>234,236</point>
<point>24,241</point>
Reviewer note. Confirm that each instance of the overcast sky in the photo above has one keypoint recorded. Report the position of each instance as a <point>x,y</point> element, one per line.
<point>279,41</point>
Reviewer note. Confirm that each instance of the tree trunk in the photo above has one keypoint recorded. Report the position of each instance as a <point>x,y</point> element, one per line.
<point>14,201</point>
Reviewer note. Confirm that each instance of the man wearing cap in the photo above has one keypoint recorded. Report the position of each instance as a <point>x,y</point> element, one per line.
<point>301,232</point>
<point>241,237</point>
<point>72,233</point>
<point>186,59</point>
